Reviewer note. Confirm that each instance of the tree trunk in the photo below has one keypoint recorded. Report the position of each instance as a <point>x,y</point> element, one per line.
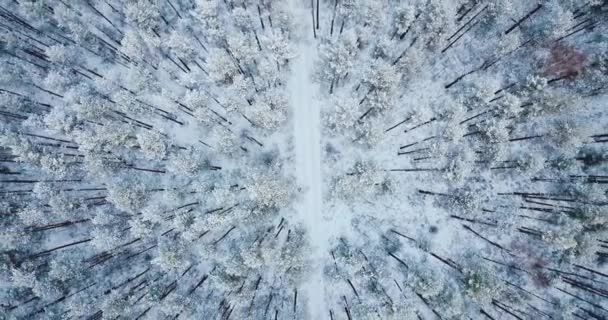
<point>312,12</point>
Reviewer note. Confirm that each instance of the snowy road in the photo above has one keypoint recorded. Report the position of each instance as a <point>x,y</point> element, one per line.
<point>306,120</point>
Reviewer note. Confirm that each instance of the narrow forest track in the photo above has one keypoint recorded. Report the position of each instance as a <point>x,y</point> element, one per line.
<point>307,127</point>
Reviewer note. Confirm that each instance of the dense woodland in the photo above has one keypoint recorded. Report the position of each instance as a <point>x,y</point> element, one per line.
<point>137,181</point>
<point>145,159</point>
<point>467,142</point>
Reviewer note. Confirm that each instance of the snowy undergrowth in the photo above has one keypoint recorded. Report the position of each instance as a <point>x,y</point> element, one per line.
<point>337,159</point>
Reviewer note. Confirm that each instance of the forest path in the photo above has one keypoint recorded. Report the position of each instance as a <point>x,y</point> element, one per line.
<point>307,135</point>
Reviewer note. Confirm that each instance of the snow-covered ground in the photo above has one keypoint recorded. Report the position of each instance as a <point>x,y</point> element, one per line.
<point>306,120</point>
<point>420,159</point>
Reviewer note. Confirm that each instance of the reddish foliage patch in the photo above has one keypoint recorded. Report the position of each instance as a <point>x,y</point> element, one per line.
<point>565,61</point>
<point>539,277</point>
<point>533,264</point>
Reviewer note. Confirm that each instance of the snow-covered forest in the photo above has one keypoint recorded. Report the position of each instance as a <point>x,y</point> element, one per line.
<point>304,159</point>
